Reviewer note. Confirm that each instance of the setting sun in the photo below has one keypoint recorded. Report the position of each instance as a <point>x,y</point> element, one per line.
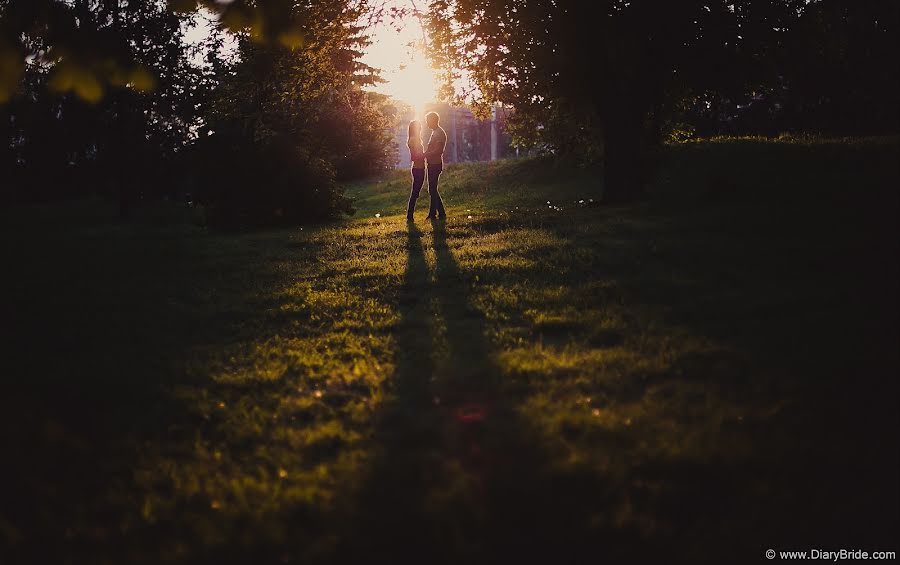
<point>405,71</point>
<point>413,83</point>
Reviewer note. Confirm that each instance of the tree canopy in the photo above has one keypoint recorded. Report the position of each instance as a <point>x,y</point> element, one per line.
<point>601,79</point>
<point>109,97</point>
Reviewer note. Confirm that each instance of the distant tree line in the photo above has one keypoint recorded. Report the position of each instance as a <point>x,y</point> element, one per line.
<point>106,97</point>
<point>603,81</point>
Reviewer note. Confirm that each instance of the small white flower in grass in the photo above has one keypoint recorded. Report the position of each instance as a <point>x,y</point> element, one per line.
<point>469,217</point>
<point>378,215</point>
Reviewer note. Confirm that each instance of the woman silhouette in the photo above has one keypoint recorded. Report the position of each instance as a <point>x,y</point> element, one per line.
<point>417,156</point>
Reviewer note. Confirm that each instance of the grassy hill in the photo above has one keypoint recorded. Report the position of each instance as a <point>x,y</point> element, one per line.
<point>709,372</point>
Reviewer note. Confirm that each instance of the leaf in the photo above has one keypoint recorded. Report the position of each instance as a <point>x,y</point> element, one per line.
<point>292,38</point>
<point>70,76</point>
<point>141,79</point>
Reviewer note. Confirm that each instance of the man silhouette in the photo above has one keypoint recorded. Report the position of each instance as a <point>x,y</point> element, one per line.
<point>434,155</point>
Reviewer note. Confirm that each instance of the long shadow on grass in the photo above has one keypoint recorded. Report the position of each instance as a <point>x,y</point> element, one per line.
<point>420,502</point>
<point>524,504</point>
<point>459,477</point>
<point>389,516</point>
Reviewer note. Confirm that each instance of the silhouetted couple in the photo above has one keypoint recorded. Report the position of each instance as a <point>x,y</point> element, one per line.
<point>433,155</point>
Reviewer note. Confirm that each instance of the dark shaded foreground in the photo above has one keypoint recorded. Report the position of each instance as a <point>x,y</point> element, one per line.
<point>711,373</point>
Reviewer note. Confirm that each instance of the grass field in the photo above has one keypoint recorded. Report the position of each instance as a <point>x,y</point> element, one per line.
<point>695,378</point>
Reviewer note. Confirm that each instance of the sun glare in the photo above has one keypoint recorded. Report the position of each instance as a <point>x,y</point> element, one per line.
<point>405,70</point>
<point>413,83</point>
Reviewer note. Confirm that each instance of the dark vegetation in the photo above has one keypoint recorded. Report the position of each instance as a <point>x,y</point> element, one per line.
<point>607,80</point>
<point>108,99</point>
<point>710,372</point>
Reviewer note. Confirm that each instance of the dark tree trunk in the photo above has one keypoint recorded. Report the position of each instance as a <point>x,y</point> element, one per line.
<point>623,153</point>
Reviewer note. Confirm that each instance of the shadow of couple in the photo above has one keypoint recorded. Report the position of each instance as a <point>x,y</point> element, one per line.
<point>446,433</point>
<point>459,474</point>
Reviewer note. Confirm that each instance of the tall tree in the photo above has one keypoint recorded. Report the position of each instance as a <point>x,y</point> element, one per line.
<point>287,122</point>
<point>597,78</point>
<point>119,106</point>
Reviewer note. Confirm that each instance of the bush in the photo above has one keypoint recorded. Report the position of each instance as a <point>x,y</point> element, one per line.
<point>286,125</point>
<point>277,183</point>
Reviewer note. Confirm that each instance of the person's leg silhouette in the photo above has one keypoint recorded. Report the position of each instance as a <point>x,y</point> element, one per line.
<point>437,204</point>
<point>418,176</point>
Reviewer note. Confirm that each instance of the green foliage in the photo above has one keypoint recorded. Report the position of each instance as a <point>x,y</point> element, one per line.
<point>601,81</point>
<point>113,102</point>
<point>681,131</point>
<point>72,36</point>
<point>269,183</point>
<point>68,133</point>
<point>588,80</point>
<point>285,125</point>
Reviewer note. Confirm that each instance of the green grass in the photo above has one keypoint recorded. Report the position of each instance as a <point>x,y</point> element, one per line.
<point>709,372</point>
